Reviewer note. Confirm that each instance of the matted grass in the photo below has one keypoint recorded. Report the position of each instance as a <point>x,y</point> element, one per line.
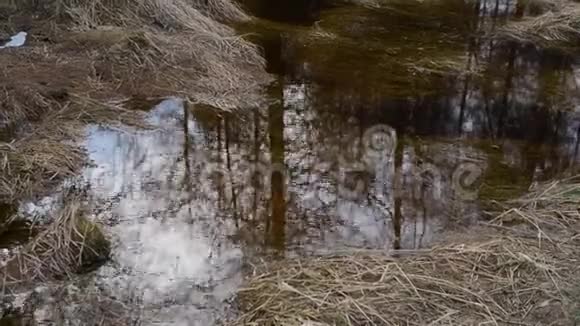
<point>524,273</point>
<point>91,57</point>
<point>175,47</point>
<point>68,245</point>
<point>47,154</point>
<point>558,27</point>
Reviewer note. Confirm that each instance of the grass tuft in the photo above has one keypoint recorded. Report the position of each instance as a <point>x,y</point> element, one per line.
<point>516,269</point>
<point>68,246</point>
<point>559,27</point>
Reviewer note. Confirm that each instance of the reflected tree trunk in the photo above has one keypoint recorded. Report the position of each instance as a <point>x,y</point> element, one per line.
<point>494,15</point>
<point>507,90</point>
<point>484,9</point>
<point>496,10</point>
<point>397,223</point>
<point>476,12</point>
<point>472,45</point>
<point>424,227</point>
<point>234,198</point>
<point>488,117</point>
<point>256,185</point>
<point>186,157</point>
<point>398,216</point>
<point>520,8</point>
<point>186,145</point>
<point>488,93</point>
<point>219,162</point>
<point>276,132</point>
<point>577,147</point>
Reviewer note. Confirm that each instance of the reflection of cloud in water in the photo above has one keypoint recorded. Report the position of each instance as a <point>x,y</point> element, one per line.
<point>174,230</point>
<point>182,235</point>
<point>328,220</point>
<point>171,253</point>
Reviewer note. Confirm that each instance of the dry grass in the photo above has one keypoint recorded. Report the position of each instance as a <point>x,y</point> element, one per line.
<point>550,208</point>
<point>558,27</point>
<point>224,10</point>
<point>102,52</point>
<point>497,275</point>
<point>46,155</point>
<point>67,246</point>
<point>178,47</point>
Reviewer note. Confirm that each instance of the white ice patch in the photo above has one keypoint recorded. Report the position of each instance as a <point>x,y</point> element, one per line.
<point>17,40</point>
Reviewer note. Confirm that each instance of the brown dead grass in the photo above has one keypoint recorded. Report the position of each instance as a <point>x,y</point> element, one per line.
<point>90,54</point>
<point>134,48</point>
<point>35,81</point>
<point>68,245</point>
<point>556,28</point>
<point>177,47</point>
<point>498,275</point>
<point>47,154</point>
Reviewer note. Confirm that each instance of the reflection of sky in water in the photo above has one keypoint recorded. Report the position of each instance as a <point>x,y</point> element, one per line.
<point>328,219</point>
<point>180,238</point>
<point>166,250</point>
<point>186,211</point>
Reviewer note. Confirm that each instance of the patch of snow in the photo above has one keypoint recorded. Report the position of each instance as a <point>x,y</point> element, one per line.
<point>17,40</point>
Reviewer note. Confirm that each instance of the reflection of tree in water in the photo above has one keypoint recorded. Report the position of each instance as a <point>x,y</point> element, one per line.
<point>312,214</point>
<point>194,192</point>
<point>277,175</point>
<point>513,103</point>
<point>315,216</point>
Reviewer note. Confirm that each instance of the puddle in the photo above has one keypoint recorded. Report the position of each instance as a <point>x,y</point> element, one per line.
<point>357,150</point>
<point>12,233</point>
<point>172,249</point>
<point>202,195</point>
<point>15,233</point>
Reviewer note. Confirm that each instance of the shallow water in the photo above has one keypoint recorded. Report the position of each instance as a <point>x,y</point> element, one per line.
<point>361,147</point>
<point>12,232</point>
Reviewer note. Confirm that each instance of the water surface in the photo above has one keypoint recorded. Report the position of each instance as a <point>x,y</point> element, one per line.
<point>465,120</point>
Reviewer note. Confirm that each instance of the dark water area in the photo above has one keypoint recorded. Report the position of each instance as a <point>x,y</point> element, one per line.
<point>388,127</point>
<point>12,232</point>
<point>519,92</point>
<point>301,12</point>
<point>11,321</point>
<point>15,233</point>
<point>362,67</point>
